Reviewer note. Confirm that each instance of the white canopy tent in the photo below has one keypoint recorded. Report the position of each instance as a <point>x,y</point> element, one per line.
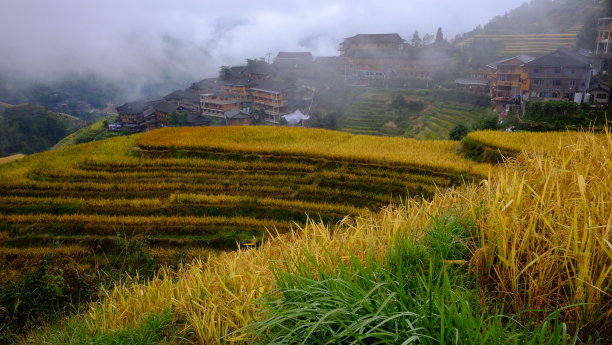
<point>295,118</point>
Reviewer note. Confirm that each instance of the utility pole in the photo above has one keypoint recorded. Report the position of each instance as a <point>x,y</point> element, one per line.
<point>268,55</point>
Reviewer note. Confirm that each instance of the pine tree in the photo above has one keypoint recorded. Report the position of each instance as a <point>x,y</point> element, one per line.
<point>416,39</point>
<point>439,36</point>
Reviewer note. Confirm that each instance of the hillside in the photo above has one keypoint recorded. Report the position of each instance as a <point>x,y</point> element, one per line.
<point>96,131</point>
<point>167,196</point>
<point>541,26</point>
<point>534,233</point>
<point>419,114</point>
<point>31,128</point>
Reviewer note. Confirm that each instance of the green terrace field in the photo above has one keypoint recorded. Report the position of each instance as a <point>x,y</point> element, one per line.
<point>423,114</point>
<point>209,188</point>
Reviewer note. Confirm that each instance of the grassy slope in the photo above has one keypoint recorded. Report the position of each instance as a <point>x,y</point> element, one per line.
<point>370,112</point>
<point>92,132</point>
<point>12,158</point>
<point>534,250</point>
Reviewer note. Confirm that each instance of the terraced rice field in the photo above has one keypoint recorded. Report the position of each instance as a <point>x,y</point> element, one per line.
<point>445,118</point>
<point>535,44</point>
<point>210,188</point>
<point>370,113</point>
<point>366,114</point>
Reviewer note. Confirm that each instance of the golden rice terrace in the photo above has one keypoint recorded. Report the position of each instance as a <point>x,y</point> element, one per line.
<point>202,188</point>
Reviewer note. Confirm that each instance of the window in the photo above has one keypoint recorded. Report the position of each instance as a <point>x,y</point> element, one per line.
<point>555,82</point>
<point>571,71</point>
<point>601,95</point>
<point>569,96</point>
<point>538,82</point>
<point>572,83</point>
<point>557,70</point>
<point>554,95</point>
<point>537,70</point>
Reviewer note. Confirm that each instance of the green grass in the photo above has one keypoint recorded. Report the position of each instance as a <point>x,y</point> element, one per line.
<point>96,131</point>
<point>156,329</point>
<point>416,295</point>
<point>369,110</point>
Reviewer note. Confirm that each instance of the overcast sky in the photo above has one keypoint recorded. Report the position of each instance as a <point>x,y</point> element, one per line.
<point>152,38</point>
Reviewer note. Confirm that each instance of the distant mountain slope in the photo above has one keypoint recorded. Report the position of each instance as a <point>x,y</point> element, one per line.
<point>96,131</point>
<point>4,106</point>
<point>541,26</point>
<point>31,128</point>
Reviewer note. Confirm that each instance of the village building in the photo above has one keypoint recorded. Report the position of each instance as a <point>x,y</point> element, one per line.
<point>559,75</point>
<point>271,101</point>
<point>138,115</point>
<point>188,99</point>
<point>369,57</point>
<point>599,94</point>
<point>604,35</point>
<point>508,79</point>
<point>217,104</point>
<point>294,64</point>
<point>162,112</point>
<point>237,117</point>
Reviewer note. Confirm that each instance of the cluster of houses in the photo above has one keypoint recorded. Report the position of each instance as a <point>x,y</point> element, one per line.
<point>559,75</point>
<point>241,95</point>
<point>267,93</point>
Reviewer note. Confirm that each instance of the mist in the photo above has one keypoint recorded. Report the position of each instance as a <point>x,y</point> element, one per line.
<point>170,44</point>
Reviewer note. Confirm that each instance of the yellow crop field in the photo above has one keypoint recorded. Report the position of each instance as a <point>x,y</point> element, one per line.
<point>530,141</point>
<point>543,242</point>
<point>316,143</point>
<point>541,221</point>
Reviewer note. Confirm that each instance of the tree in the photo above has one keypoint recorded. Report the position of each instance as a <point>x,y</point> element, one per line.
<point>416,39</point>
<point>177,119</point>
<point>458,132</point>
<point>225,72</point>
<point>331,120</point>
<point>398,101</point>
<point>427,39</point>
<point>439,36</point>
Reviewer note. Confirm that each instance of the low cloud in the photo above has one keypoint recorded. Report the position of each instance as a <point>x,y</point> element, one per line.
<point>137,42</point>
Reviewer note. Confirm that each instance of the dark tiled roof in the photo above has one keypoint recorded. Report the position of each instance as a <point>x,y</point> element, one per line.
<point>522,58</point>
<point>197,120</point>
<point>307,56</point>
<point>376,38</point>
<point>561,57</point>
<point>208,85</point>
<point>327,60</point>
<point>236,114</point>
<point>175,96</point>
<point>598,86</point>
<point>136,107</point>
<point>273,85</point>
<point>165,107</point>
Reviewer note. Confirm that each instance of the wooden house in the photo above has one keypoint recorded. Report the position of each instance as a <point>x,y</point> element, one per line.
<point>558,75</point>
<point>508,78</point>
<point>218,104</point>
<point>600,94</point>
<point>237,117</point>
<point>271,101</point>
<point>162,112</point>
